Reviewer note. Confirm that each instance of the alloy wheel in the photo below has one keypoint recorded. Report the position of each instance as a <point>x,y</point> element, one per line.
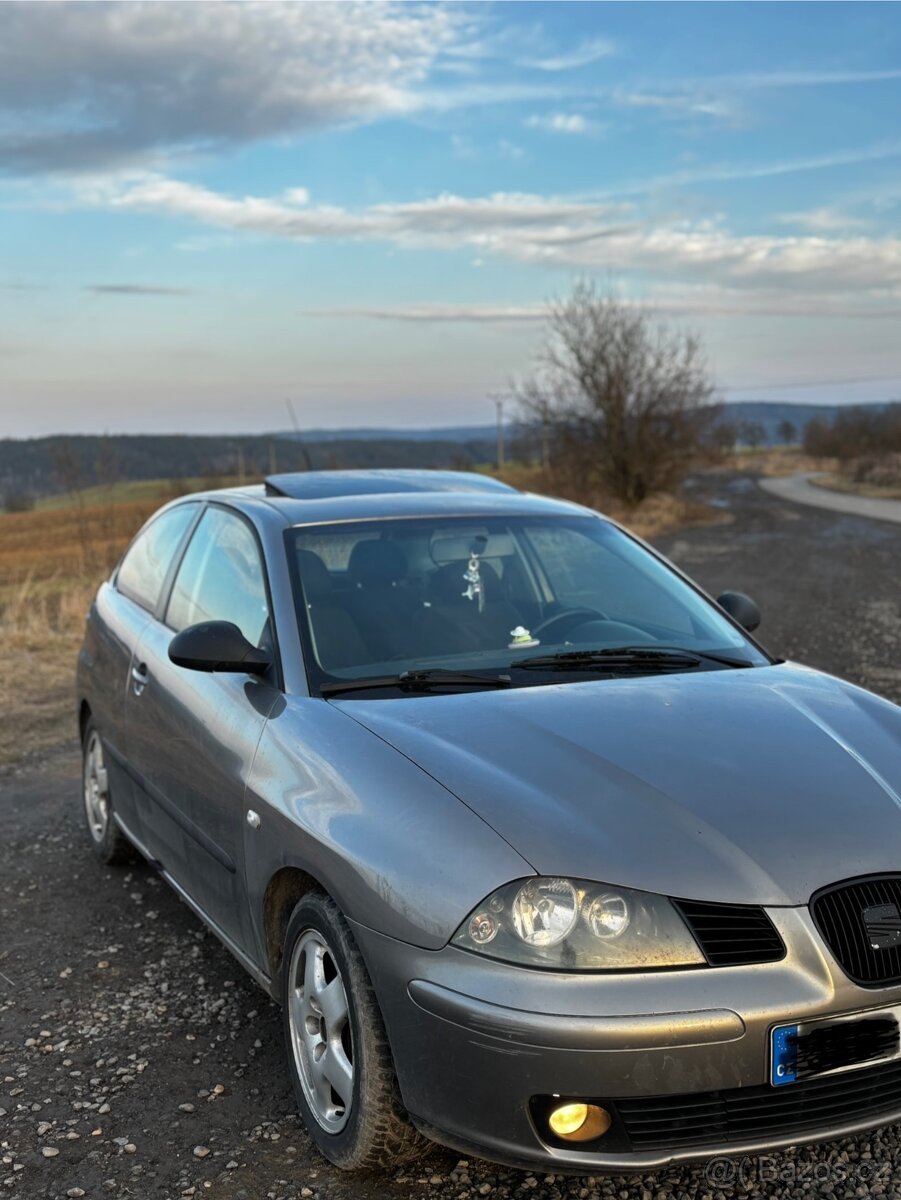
<point>320,1031</point>
<point>96,788</point>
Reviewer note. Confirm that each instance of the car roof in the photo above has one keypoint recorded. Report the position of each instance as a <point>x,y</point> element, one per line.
<point>320,497</point>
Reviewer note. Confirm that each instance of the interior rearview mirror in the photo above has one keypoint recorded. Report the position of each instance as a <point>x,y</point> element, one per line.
<point>740,608</point>
<point>217,646</point>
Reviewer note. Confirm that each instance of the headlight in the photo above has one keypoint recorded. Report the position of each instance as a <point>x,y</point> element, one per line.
<point>573,925</point>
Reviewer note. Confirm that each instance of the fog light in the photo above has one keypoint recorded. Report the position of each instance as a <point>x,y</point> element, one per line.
<point>568,1119</point>
<point>578,1122</point>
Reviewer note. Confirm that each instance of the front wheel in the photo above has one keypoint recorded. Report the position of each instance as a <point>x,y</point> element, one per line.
<point>338,1051</point>
<point>107,841</point>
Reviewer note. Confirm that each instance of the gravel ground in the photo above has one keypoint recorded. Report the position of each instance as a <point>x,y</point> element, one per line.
<point>137,1060</point>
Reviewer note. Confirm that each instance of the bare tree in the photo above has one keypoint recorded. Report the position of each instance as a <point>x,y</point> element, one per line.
<point>753,434</point>
<point>723,436</point>
<point>625,401</point>
<point>788,432</point>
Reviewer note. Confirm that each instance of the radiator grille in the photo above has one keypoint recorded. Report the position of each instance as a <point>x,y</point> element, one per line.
<point>839,913</point>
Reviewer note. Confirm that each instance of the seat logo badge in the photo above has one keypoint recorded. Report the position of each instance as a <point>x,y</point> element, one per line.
<point>883,925</point>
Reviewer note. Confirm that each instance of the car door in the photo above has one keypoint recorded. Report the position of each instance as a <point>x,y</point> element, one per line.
<point>120,613</point>
<point>191,734</point>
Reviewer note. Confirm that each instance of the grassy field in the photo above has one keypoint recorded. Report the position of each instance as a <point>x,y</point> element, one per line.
<point>52,560</point>
<point>134,491</point>
<point>50,564</point>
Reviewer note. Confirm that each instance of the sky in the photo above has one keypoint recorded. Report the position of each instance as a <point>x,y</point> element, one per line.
<point>206,209</point>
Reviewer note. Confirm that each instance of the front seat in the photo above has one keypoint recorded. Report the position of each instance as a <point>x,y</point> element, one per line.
<point>336,638</point>
<point>382,606</point>
<point>451,623</point>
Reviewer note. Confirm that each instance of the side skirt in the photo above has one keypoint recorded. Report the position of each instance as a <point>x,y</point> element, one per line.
<point>247,963</point>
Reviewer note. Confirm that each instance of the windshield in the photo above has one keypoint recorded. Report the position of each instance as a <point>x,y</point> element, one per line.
<point>379,598</point>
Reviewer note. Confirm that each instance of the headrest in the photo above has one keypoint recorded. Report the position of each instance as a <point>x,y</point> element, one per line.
<point>317,583</point>
<point>447,585</point>
<point>376,562</point>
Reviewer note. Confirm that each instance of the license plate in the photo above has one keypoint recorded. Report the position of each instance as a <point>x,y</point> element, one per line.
<point>811,1048</point>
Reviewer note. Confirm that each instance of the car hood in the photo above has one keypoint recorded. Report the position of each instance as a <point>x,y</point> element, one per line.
<point>742,786</point>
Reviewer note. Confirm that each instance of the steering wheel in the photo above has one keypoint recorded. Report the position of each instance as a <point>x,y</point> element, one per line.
<point>569,619</point>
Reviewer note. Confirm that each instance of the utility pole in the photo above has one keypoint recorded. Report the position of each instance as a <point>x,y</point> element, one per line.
<point>499,403</point>
<point>273,459</point>
<point>293,415</point>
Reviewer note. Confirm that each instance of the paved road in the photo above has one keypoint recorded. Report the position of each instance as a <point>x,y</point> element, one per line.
<point>121,1018</point>
<point>800,489</point>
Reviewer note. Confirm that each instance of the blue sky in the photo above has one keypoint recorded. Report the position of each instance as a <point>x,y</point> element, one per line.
<point>207,208</point>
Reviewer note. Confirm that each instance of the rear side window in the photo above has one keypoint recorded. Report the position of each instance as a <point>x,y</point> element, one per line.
<point>221,578</point>
<point>145,565</point>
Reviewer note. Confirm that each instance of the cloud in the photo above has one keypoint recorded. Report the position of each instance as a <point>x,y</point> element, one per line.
<point>717,96</point>
<point>587,52</point>
<point>441,313</point>
<point>601,235</point>
<point>676,104</point>
<point>445,220</point>
<point>94,85</point>
<point>751,81</point>
<point>823,220</point>
<point>727,172</point>
<point>683,301</point>
<point>562,123</point>
<point>134,289</point>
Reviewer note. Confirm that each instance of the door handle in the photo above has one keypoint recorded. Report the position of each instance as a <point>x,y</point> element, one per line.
<point>139,678</point>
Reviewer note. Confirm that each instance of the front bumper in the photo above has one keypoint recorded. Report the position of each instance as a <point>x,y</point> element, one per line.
<point>475,1042</point>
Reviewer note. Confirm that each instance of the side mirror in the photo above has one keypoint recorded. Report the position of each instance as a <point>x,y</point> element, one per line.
<point>740,608</point>
<point>217,646</point>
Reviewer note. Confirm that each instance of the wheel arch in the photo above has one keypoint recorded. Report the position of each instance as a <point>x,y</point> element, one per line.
<point>283,893</point>
<point>84,715</point>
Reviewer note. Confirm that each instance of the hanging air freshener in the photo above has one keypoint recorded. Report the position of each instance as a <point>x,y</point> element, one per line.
<point>475,588</point>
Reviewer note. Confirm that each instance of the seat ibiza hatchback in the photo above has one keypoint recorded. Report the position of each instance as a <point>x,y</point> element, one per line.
<point>543,856</point>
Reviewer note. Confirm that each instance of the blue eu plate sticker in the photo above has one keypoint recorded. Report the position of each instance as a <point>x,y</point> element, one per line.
<point>785,1055</point>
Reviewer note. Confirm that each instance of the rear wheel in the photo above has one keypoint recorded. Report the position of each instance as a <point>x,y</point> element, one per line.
<point>338,1051</point>
<point>107,841</point>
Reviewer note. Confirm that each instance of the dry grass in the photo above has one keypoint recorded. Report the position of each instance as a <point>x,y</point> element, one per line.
<point>875,476</point>
<point>776,461</point>
<point>50,565</point>
<point>656,515</point>
<point>834,482</point>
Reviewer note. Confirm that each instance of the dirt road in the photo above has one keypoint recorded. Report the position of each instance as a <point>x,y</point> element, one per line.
<point>138,1061</point>
<point>801,489</point>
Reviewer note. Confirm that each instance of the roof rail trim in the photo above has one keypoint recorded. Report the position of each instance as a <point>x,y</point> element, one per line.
<point>332,485</point>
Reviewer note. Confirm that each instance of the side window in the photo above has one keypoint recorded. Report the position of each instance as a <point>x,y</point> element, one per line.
<point>143,569</point>
<point>221,578</point>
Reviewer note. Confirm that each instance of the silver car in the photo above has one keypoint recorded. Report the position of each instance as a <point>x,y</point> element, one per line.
<point>543,855</point>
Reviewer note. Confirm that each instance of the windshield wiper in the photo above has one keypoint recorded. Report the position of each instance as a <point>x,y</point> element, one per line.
<point>417,681</point>
<point>620,657</point>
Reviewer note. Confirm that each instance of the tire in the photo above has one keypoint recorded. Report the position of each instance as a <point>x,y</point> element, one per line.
<point>108,842</point>
<point>330,1012</point>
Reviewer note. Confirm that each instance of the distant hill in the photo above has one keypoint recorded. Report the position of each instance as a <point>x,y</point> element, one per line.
<point>452,433</point>
<point>47,466</point>
<point>770,414</point>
